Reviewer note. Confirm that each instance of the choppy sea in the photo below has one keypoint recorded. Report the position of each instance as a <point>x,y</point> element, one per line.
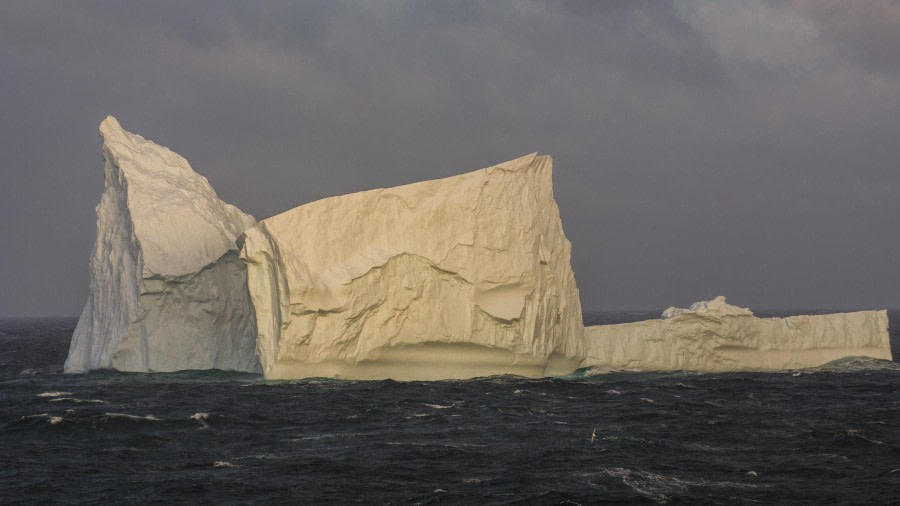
<point>825,436</point>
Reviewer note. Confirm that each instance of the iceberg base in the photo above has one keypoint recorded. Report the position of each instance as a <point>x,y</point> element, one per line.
<point>426,362</point>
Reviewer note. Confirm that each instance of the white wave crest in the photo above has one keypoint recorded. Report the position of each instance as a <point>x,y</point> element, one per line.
<point>78,401</point>
<point>202,419</point>
<point>126,416</point>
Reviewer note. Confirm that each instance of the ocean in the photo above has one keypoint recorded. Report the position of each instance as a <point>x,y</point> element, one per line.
<point>825,436</point>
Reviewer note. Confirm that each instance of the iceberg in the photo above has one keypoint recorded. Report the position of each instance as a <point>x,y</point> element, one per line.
<point>452,278</point>
<point>715,336</point>
<point>168,290</point>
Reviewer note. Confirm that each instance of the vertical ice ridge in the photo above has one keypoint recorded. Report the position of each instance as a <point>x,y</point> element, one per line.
<point>168,290</point>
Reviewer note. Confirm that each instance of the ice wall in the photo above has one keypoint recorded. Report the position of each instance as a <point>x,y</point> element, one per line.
<point>453,278</point>
<point>168,291</point>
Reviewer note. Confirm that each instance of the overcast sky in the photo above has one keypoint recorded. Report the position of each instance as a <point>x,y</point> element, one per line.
<point>750,149</point>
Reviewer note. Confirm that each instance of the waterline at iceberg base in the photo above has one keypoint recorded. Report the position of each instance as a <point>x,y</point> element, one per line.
<point>448,279</point>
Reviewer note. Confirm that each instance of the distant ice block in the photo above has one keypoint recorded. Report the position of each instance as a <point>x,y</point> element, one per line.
<point>715,336</point>
<point>168,290</point>
<point>453,278</point>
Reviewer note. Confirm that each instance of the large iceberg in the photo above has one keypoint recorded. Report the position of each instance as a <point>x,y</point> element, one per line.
<point>716,336</point>
<point>168,290</point>
<point>453,278</point>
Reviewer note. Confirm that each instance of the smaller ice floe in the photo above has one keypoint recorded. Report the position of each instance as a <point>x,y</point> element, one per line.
<point>53,394</point>
<point>220,464</point>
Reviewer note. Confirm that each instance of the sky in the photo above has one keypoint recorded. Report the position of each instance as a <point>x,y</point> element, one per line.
<point>700,147</point>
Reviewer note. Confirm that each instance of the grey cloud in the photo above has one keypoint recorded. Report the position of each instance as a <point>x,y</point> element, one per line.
<point>866,33</point>
<point>692,156</point>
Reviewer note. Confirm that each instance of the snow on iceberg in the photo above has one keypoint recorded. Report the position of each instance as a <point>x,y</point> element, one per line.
<point>713,308</point>
<point>452,278</point>
<point>715,336</point>
<point>168,290</point>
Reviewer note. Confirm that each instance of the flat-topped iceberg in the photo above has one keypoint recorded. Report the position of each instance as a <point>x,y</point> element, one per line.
<point>453,278</point>
<point>716,336</point>
<point>168,291</point>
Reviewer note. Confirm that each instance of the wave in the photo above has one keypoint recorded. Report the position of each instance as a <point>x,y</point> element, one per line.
<point>41,419</point>
<point>842,365</point>
<point>107,417</point>
<point>202,419</point>
<point>78,401</point>
<point>661,488</point>
<point>443,406</point>
<point>855,364</point>
<point>317,437</point>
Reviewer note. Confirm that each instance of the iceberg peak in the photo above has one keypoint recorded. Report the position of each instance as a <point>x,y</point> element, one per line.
<point>168,290</point>
<point>716,307</point>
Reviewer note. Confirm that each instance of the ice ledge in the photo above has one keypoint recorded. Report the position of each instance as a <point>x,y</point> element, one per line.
<point>718,342</point>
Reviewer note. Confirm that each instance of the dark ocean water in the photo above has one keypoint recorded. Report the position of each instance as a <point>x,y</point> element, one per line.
<point>825,436</point>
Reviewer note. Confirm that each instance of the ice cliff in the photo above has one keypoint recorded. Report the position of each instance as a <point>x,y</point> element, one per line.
<point>167,288</point>
<point>453,278</point>
<point>716,336</point>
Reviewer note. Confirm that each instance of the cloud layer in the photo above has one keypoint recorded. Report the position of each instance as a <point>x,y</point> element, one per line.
<point>700,147</point>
